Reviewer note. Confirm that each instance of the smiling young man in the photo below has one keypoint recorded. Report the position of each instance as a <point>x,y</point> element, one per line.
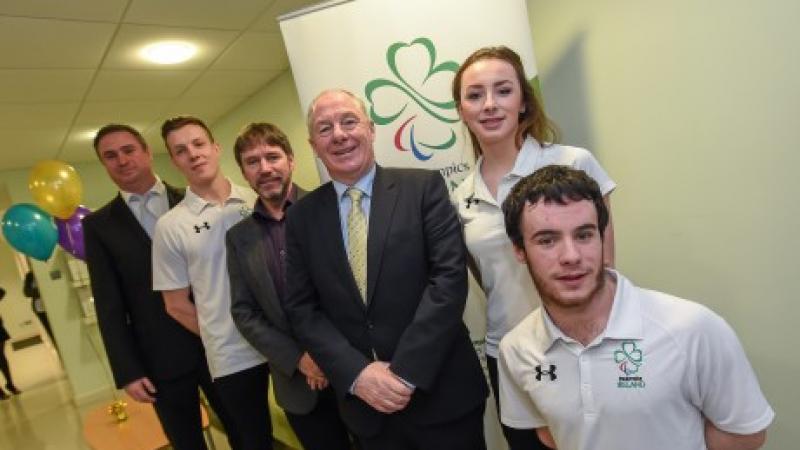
<point>190,268</point>
<point>603,363</point>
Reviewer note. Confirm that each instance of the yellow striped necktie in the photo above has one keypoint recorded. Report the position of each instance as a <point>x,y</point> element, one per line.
<point>357,241</point>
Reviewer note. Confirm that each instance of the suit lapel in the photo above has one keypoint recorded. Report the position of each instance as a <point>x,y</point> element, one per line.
<point>382,205</point>
<point>253,244</point>
<point>123,214</point>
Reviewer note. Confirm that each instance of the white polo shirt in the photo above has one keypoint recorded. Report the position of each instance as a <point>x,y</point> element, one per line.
<point>189,250</point>
<point>661,365</point>
<point>509,290</point>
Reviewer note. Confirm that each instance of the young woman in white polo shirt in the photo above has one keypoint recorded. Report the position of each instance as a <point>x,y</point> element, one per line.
<point>511,138</point>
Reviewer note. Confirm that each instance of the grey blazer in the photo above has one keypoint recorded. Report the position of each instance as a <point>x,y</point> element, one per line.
<point>259,316</point>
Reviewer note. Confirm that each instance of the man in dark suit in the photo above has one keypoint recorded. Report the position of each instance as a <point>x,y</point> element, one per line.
<point>256,249</point>
<point>377,287</point>
<point>152,356</point>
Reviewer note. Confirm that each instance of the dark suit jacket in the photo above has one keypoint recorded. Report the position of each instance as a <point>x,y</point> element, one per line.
<point>416,293</point>
<point>140,338</point>
<point>259,316</point>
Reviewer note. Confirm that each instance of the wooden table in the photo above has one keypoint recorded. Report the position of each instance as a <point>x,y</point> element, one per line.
<point>142,430</point>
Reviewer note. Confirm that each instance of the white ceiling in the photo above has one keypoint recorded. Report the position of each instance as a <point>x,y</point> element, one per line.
<point>69,67</point>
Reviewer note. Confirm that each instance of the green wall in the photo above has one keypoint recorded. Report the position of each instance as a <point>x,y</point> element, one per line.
<point>692,107</point>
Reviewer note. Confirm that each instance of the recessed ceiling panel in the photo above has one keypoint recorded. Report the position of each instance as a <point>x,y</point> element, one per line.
<point>213,14</point>
<point>238,83</point>
<point>43,86</point>
<point>123,85</point>
<point>96,114</point>
<point>255,51</point>
<point>43,43</point>
<point>88,10</point>
<point>40,116</point>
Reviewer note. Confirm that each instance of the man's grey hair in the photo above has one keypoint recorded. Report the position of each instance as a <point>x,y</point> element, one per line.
<point>310,115</point>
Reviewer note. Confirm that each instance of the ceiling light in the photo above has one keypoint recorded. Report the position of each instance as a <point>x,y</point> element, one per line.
<point>168,52</point>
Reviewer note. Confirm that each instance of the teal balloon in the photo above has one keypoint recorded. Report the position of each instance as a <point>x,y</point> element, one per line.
<point>30,230</point>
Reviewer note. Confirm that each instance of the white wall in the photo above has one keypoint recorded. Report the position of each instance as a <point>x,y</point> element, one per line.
<point>693,107</point>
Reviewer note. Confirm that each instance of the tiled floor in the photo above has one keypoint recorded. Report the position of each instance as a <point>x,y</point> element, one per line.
<point>44,417</point>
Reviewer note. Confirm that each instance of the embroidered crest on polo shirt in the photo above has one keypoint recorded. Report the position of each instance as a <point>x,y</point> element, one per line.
<point>245,211</point>
<point>629,360</point>
<point>549,373</point>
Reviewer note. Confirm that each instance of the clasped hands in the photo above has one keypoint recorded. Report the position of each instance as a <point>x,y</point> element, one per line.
<point>381,389</point>
<point>315,377</point>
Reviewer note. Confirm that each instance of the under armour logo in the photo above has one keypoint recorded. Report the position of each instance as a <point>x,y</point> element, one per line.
<point>205,225</point>
<point>471,200</point>
<point>551,373</point>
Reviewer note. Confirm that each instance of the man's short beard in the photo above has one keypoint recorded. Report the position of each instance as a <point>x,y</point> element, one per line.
<point>552,298</point>
<point>278,196</point>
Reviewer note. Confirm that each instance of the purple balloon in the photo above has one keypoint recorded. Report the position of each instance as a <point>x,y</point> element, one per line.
<point>70,233</point>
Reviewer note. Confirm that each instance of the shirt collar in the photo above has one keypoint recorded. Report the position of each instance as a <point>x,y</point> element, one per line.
<point>364,184</point>
<point>260,211</point>
<point>197,204</point>
<point>157,189</point>
<point>624,321</point>
<point>526,159</point>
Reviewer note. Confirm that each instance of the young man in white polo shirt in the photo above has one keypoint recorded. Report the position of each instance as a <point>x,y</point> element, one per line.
<point>189,267</point>
<point>604,364</point>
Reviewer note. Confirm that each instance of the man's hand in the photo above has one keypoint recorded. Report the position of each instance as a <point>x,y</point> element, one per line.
<point>545,437</point>
<point>315,377</point>
<point>381,389</point>
<point>141,390</point>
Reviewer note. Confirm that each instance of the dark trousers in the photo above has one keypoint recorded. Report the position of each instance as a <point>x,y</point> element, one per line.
<point>244,395</point>
<point>401,433</point>
<point>178,407</point>
<point>322,428</point>
<point>518,439</point>
<point>46,325</point>
<point>4,367</point>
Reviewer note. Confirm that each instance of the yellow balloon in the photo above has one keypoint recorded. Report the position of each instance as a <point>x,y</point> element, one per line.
<point>56,187</point>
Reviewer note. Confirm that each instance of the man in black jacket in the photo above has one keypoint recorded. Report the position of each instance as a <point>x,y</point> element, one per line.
<point>256,249</point>
<point>153,358</point>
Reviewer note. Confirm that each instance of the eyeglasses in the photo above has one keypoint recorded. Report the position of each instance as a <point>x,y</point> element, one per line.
<point>325,128</point>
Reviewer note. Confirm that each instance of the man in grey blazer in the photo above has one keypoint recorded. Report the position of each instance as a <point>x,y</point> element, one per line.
<point>256,249</point>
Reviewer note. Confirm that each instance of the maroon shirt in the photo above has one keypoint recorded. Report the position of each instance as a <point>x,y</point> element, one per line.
<point>274,240</point>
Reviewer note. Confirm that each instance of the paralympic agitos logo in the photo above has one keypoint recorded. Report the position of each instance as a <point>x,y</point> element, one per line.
<point>421,142</point>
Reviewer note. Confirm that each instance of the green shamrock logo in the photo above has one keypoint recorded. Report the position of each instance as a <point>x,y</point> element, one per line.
<point>442,110</point>
<point>628,357</point>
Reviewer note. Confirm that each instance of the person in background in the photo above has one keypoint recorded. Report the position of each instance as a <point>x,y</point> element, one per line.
<point>602,363</point>
<point>4,366</point>
<point>511,138</point>
<point>256,249</point>
<point>31,289</point>
<point>151,356</point>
